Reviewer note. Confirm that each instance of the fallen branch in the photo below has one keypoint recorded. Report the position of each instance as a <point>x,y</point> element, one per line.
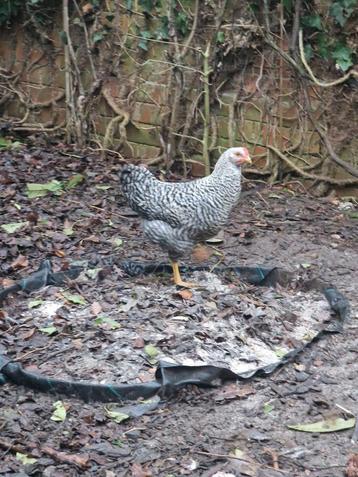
<point>79,460</point>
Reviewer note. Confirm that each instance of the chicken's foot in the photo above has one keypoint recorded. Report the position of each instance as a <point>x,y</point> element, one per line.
<point>177,277</point>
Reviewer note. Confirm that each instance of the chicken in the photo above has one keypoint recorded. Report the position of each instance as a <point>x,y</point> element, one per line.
<point>176,216</point>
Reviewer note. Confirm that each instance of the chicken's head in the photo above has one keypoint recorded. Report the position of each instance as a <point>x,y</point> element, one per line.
<point>238,155</point>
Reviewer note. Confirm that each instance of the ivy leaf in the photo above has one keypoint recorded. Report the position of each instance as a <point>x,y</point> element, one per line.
<point>336,11</point>
<point>75,180</point>
<point>148,5</point>
<point>143,42</point>
<point>59,414</point>
<point>74,298</point>
<point>329,425</point>
<point>287,4</point>
<point>106,320</point>
<point>151,352</point>
<point>40,190</point>
<point>342,10</point>
<point>25,459</point>
<point>343,56</point>
<point>268,407</point>
<point>13,227</point>
<point>323,45</point>
<point>49,330</point>
<point>63,36</point>
<point>116,416</point>
<point>181,22</point>
<point>308,52</point>
<point>162,33</point>
<point>220,37</point>
<point>8,144</point>
<point>312,21</point>
<point>97,36</point>
<point>35,303</point>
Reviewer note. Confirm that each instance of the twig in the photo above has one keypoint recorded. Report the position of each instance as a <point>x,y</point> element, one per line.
<point>206,75</point>
<point>295,26</point>
<point>79,460</point>
<point>186,46</point>
<point>68,83</point>
<point>88,46</point>
<point>345,165</point>
<point>228,456</point>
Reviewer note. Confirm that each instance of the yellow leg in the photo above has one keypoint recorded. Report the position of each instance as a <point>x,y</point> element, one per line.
<point>177,278</point>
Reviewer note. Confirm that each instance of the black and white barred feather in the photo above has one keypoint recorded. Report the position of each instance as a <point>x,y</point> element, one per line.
<point>177,215</point>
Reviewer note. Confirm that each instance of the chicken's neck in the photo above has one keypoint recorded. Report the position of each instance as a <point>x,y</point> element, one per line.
<point>226,174</point>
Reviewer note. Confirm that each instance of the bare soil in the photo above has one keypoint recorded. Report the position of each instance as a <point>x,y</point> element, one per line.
<point>195,432</point>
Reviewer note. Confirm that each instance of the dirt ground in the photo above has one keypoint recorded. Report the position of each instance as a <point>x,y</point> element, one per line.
<point>232,430</point>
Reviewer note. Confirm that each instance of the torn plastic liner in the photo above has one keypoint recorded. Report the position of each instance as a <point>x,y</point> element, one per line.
<point>170,377</point>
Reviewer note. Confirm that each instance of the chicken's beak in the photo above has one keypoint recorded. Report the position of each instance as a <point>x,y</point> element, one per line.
<point>244,160</point>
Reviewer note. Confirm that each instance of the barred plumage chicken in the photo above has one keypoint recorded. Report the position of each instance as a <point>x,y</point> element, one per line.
<point>175,215</point>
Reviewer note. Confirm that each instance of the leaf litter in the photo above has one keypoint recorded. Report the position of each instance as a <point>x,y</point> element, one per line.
<point>221,323</point>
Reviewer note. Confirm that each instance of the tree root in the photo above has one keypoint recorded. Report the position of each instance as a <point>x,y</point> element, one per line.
<point>303,173</point>
<point>122,119</point>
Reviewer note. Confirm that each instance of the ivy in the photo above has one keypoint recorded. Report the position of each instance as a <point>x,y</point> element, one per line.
<point>153,9</point>
<point>41,9</point>
<point>327,37</point>
<point>144,37</point>
<point>341,10</point>
<point>181,22</point>
<point>343,56</point>
<point>8,10</point>
<point>312,21</point>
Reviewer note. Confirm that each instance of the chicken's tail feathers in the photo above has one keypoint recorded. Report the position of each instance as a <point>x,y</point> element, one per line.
<point>137,187</point>
<point>130,174</point>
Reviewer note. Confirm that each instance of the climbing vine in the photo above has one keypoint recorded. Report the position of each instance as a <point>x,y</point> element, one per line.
<point>206,46</point>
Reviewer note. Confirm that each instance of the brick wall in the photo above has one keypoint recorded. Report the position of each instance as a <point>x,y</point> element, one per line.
<point>273,117</point>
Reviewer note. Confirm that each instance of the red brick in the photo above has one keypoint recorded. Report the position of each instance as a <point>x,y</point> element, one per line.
<point>197,169</point>
<point>42,94</point>
<point>147,113</point>
<point>140,151</point>
<point>149,92</point>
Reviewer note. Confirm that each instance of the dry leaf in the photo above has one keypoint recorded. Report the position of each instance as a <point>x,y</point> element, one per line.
<point>20,262</point>
<point>87,8</point>
<point>60,253</point>
<point>139,471</point>
<point>201,253</point>
<point>7,282</point>
<point>185,294</point>
<point>234,391</point>
<point>77,344</point>
<point>28,334</point>
<point>96,308</point>
<point>138,342</point>
<point>352,466</point>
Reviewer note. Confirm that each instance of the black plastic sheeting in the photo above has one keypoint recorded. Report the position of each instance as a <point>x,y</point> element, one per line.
<point>42,277</point>
<point>169,377</point>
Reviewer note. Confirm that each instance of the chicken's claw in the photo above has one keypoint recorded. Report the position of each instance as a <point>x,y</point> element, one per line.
<point>177,278</point>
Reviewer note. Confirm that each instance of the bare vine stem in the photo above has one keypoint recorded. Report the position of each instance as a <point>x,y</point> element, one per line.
<point>310,72</point>
<point>321,178</point>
